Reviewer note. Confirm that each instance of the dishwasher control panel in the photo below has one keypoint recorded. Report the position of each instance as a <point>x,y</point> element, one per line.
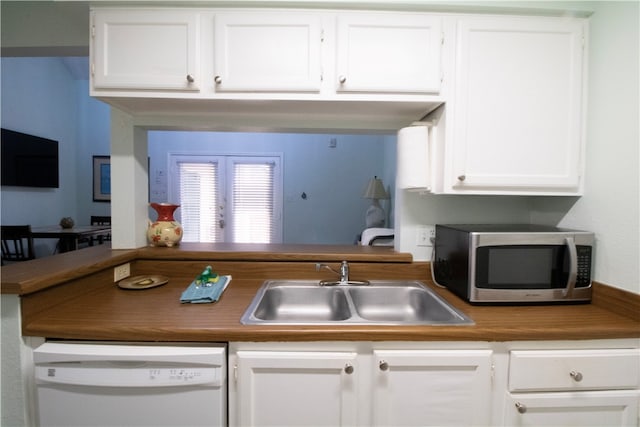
<point>121,375</point>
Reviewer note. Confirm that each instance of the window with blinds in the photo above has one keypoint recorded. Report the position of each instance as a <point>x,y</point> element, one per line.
<point>228,198</point>
<point>252,202</point>
<point>199,194</point>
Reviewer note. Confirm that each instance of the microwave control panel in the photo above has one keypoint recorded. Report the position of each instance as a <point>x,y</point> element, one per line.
<point>584,266</point>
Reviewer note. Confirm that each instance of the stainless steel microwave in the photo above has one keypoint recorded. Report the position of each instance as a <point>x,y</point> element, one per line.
<point>513,263</point>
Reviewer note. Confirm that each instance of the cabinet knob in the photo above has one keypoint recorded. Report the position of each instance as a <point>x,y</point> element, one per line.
<point>384,366</point>
<point>342,79</point>
<point>217,79</point>
<point>348,368</point>
<point>521,407</point>
<point>462,178</point>
<point>577,376</point>
<point>190,78</point>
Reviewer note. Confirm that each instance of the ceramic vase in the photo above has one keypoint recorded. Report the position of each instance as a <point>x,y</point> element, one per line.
<point>165,231</point>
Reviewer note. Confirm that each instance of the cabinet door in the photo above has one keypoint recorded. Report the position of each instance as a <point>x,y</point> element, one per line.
<point>589,408</point>
<point>395,53</point>
<point>296,388</point>
<point>145,49</point>
<point>275,52</point>
<point>427,388</point>
<point>518,105</point>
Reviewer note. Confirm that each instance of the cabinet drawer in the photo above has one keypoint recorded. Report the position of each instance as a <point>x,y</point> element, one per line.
<point>574,369</point>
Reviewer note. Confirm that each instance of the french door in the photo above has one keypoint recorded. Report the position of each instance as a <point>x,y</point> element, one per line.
<point>227,198</point>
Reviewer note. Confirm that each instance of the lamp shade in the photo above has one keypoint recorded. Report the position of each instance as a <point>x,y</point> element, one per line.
<point>375,189</point>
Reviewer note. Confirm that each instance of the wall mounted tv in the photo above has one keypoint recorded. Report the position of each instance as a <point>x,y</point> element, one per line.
<point>28,161</point>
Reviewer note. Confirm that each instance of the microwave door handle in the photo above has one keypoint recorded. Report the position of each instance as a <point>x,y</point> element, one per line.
<point>573,267</point>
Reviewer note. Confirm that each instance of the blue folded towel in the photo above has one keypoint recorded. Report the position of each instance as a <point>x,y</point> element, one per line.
<point>198,294</point>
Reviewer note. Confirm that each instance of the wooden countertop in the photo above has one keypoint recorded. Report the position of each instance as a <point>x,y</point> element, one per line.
<point>94,308</point>
<point>72,296</point>
<point>32,276</point>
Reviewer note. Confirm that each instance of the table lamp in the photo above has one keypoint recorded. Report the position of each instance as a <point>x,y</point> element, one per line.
<point>375,216</point>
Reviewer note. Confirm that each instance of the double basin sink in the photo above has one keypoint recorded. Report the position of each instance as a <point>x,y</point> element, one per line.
<point>306,302</point>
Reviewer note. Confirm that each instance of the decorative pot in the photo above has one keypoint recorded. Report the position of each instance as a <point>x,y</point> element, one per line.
<point>165,231</point>
<point>66,222</point>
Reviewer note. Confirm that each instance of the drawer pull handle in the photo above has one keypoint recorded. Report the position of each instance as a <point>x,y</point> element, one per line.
<point>577,376</point>
<point>384,366</point>
<point>348,369</point>
<point>521,407</point>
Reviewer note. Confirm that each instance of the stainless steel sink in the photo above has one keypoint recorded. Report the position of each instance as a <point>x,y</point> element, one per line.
<point>305,302</point>
<point>401,304</point>
<point>302,303</point>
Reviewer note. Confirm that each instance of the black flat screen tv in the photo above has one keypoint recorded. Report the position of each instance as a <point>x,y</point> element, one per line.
<point>28,161</point>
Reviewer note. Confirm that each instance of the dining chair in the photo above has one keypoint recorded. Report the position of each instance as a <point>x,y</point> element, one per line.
<point>101,220</point>
<point>17,243</point>
<point>377,237</point>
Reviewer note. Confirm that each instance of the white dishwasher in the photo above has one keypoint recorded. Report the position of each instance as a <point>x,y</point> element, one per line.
<point>131,384</point>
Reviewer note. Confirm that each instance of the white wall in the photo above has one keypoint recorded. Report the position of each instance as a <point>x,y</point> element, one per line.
<point>333,179</point>
<point>425,209</point>
<point>610,206</point>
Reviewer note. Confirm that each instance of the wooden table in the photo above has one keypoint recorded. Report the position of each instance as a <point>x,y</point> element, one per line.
<point>70,237</point>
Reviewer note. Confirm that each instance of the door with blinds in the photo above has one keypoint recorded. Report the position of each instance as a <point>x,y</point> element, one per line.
<point>228,198</point>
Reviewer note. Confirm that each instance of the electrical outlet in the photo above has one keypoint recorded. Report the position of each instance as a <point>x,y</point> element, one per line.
<point>121,272</point>
<point>426,235</point>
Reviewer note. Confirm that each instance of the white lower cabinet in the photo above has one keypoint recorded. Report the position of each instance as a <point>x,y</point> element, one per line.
<point>431,387</point>
<point>294,388</point>
<point>519,383</point>
<point>589,408</point>
<point>369,386</point>
<point>591,387</point>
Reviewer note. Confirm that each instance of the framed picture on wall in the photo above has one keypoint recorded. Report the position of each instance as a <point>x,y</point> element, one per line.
<point>101,179</point>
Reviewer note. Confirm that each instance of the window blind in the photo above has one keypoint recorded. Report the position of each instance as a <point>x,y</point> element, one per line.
<point>198,201</point>
<point>253,210</point>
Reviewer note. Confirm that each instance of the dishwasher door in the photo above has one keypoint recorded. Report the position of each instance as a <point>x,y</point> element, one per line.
<point>101,384</point>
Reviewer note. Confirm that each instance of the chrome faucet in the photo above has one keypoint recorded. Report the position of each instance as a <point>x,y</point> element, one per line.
<point>344,271</point>
<point>344,275</point>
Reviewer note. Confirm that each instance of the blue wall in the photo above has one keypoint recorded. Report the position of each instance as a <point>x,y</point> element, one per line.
<point>40,97</point>
<point>94,139</point>
<point>333,179</point>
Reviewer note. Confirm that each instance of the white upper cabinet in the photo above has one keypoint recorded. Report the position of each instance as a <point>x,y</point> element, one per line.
<point>145,49</point>
<point>508,91</point>
<point>267,51</point>
<point>518,106</point>
<point>388,53</point>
